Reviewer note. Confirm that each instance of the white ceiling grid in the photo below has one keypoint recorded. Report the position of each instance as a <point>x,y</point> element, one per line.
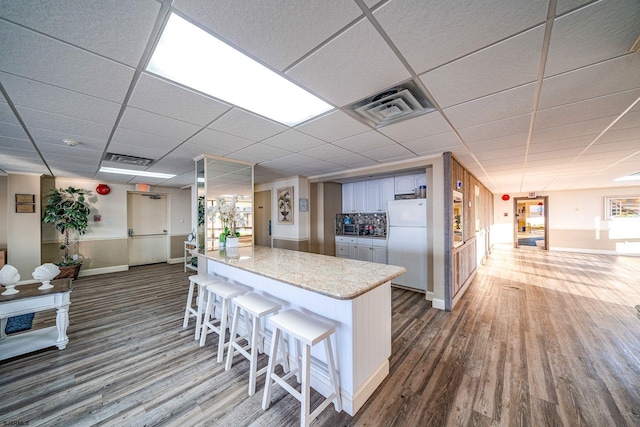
<point>67,67</point>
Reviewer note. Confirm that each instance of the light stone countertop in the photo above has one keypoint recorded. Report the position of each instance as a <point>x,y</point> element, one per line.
<point>337,278</point>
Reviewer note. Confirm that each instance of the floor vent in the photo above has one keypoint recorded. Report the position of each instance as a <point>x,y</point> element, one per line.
<point>127,160</point>
<point>393,105</point>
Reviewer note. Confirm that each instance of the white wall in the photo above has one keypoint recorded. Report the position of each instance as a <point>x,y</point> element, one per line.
<point>576,221</point>
<point>112,209</point>
<point>300,229</point>
<point>3,211</point>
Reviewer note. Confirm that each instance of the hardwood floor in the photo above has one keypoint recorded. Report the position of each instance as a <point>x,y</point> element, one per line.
<point>539,339</point>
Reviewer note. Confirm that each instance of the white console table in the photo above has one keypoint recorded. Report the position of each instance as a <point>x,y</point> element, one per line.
<point>31,300</point>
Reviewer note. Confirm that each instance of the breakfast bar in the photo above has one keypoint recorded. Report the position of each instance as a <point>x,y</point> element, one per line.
<point>353,295</point>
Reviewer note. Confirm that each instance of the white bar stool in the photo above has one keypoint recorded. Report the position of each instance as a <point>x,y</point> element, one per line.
<point>253,307</point>
<point>219,293</point>
<point>308,331</point>
<point>197,310</point>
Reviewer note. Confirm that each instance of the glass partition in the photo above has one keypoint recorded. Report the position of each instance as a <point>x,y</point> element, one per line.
<point>228,202</point>
<point>458,218</point>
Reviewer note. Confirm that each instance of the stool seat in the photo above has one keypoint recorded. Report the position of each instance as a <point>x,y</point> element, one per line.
<point>197,310</point>
<point>306,330</point>
<point>224,292</point>
<point>255,308</point>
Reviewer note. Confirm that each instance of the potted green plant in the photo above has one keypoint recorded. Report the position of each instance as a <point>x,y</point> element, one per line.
<point>67,209</point>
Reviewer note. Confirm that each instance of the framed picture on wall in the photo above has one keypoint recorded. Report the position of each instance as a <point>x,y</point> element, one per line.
<point>284,203</point>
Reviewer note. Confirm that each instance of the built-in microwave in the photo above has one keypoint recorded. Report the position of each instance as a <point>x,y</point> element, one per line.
<point>350,229</point>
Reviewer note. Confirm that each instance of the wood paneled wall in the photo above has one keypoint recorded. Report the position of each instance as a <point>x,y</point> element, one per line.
<point>463,260</point>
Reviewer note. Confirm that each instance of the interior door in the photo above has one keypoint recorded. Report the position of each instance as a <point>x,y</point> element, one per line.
<point>147,224</point>
<point>262,222</point>
<point>530,223</point>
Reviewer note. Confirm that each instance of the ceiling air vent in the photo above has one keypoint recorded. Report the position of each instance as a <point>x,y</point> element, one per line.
<point>393,105</point>
<point>127,160</point>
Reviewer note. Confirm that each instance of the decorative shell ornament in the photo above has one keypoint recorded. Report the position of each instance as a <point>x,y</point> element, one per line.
<point>9,276</point>
<point>45,274</point>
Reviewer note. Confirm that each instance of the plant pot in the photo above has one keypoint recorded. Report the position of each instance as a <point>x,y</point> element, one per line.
<point>71,271</point>
<point>232,242</point>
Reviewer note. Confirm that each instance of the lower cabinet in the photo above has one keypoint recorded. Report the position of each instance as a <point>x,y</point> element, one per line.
<point>362,248</point>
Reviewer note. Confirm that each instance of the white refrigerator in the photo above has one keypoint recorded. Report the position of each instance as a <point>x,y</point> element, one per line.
<point>407,241</point>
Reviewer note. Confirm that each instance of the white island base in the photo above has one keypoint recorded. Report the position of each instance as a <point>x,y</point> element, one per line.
<point>362,343</point>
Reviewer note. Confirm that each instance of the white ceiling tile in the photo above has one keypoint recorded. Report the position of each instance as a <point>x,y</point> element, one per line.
<point>388,154</point>
<point>507,152</point>
<point>431,35</point>
<point>66,126</point>
<point>559,153</point>
<point>499,144</point>
<point>354,65</point>
<point>595,80</point>
<point>15,131</point>
<point>280,34</point>
<point>595,108</point>
<point>597,32</point>
<point>591,127</point>
<point>39,96</point>
<point>333,126</point>
<point>170,100</point>
<point>155,124</point>
<point>566,5</point>
<point>502,105</point>
<point>426,125</point>
<point>553,145</point>
<point>326,152</point>
<point>15,143</point>
<point>294,141</point>
<point>354,161</point>
<point>191,151</point>
<point>246,125</point>
<point>124,136</point>
<point>118,30</point>
<point>258,153</point>
<point>496,129</point>
<point>211,139</point>
<point>433,144</point>
<point>6,113</point>
<point>364,141</point>
<point>37,57</point>
<point>147,152</point>
<point>629,120</point>
<point>507,64</point>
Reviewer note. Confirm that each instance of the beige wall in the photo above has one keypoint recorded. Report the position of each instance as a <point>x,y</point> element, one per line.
<point>23,229</point>
<point>3,211</point>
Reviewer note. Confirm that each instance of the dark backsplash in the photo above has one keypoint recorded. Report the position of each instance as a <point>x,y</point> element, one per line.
<point>371,224</point>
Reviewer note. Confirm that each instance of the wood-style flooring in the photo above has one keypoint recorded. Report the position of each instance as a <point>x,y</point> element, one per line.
<point>540,338</point>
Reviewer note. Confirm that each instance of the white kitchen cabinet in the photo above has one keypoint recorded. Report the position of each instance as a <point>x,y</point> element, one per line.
<point>379,255</point>
<point>363,252</point>
<point>348,205</point>
<point>386,187</point>
<point>342,250</point>
<point>405,184</point>
<point>362,248</point>
<point>360,196</point>
<point>373,195</point>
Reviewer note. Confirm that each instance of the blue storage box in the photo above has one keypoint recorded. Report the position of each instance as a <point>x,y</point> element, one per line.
<point>19,323</point>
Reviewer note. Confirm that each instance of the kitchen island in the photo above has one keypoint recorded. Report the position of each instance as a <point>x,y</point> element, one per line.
<point>353,295</point>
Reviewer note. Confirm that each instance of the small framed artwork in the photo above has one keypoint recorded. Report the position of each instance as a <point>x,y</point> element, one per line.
<point>25,203</point>
<point>285,205</point>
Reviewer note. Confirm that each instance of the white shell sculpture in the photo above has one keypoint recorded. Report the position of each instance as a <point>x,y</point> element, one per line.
<point>9,276</point>
<point>45,274</point>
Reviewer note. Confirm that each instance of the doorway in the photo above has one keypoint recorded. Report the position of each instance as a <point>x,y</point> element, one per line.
<point>531,223</point>
<point>262,230</point>
<point>147,228</point>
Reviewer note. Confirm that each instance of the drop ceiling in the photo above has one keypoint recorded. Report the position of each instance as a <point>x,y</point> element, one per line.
<point>529,95</point>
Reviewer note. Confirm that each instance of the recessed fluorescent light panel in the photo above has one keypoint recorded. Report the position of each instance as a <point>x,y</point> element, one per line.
<point>632,177</point>
<point>136,173</point>
<point>190,56</point>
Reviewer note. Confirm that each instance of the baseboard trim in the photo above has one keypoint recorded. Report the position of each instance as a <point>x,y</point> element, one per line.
<point>437,303</point>
<point>175,260</point>
<point>103,270</point>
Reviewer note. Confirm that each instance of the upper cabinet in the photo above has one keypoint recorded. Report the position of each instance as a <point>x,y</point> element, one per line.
<point>407,184</point>
<point>367,196</point>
